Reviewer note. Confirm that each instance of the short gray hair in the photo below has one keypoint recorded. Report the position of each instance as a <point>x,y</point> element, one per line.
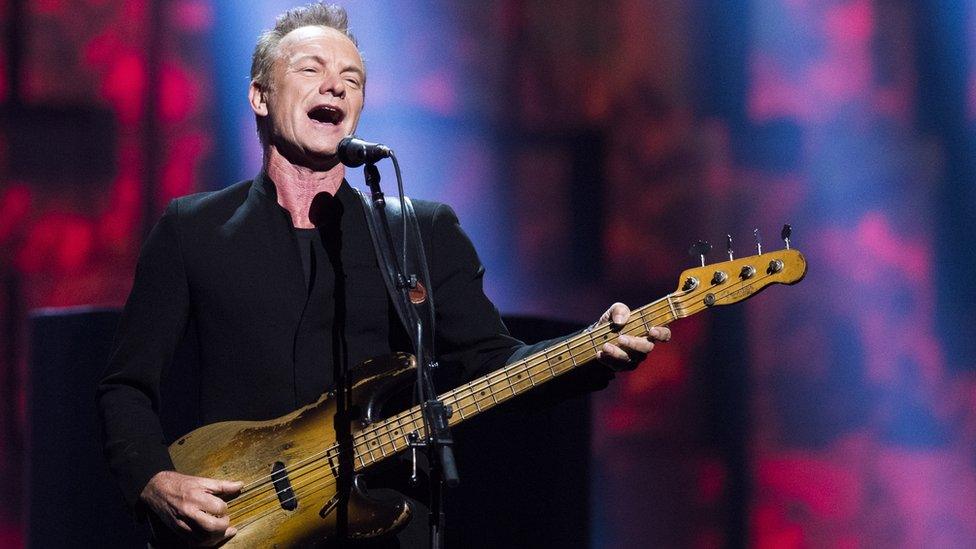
<point>315,14</point>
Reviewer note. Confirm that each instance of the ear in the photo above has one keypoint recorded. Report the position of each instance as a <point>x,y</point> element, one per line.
<point>255,96</point>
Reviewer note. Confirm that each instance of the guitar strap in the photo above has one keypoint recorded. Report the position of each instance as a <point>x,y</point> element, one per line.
<point>421,298</point>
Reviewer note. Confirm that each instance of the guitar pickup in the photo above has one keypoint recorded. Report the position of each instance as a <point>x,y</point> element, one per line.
<point>282,486</point>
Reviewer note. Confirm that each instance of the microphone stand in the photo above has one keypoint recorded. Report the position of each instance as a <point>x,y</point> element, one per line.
<point>437,443</point>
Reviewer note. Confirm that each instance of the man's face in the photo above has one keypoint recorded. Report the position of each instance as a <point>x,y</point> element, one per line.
<point>316,93</point>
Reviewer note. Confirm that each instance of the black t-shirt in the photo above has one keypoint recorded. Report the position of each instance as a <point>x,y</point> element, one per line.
<point>346,318</point>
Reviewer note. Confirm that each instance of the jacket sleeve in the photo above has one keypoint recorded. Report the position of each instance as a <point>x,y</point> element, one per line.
<point>470,331</point>
<point>152,324</point>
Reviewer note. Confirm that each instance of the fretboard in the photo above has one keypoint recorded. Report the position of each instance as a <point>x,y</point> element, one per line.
<point>393,435</point>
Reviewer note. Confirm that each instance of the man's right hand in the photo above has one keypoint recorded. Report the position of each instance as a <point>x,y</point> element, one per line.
<point>192,506</point>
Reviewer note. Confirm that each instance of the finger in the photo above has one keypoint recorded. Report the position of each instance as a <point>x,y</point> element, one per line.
<point>613,314</point>
<point>635,345</point>
<point>213,505</point>
<point>636,349</point>
<point>230,532</point>
<point>619,313</point>
<point>615,358</point>
<point>659,333</point>
<point>225,487</point>
<point>614,353</point>
<point>211,524</point>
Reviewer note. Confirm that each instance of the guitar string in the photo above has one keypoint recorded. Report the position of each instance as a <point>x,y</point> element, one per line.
<point>541,360</point>
<point>527,367</point>
<point>315,485</point>
<point>363,439</point>
<point>412,418</point>
<point>507,370</point>
<point>506,374</point>
<point>311,486</point>
<point>488,382</point>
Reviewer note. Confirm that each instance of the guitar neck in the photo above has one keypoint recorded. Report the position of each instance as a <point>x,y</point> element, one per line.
<point>388,437</point>
<point>486,392</point>
<point>701,288</point>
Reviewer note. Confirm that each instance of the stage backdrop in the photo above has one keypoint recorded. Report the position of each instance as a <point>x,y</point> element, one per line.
<point>585,146</point>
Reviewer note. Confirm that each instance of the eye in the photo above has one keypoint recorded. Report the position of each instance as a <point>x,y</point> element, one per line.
<point>309,70</point>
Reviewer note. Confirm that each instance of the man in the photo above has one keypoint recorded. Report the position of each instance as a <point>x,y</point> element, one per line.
<point>278,280</point>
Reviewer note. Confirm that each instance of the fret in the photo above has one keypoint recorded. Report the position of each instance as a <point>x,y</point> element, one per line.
<point>571,356</point>
<point>474,398</point>
<point>472,401</point>
<point>563,366</point>
<point>548,363</point>
<point>361,461</point>
<point>383,430</point>
<point>458,406</point>
<point>491,391</point>
<point>518,377</point>
<point>393,439</point>
<point>377,438</point>
<point>415,422</point>
<point>485,383</point>
<point>403,432</point>
<point>411,425</point>
<point>674,313</point>
<point>643,317</point>
<point>453,400</point>
<point>596,351</point>
<point>418,423</point>
<point>450,401</point>
<point>508,378</point>
<point>555,363</point>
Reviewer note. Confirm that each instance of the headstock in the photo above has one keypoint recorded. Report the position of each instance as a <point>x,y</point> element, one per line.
<point>738,279</point>
<point>733,281</point>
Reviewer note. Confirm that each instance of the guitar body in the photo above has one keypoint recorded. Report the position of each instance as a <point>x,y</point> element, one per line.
<point>248,451</point>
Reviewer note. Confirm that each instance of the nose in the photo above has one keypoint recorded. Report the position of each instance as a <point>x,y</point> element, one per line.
<point>333,84</point>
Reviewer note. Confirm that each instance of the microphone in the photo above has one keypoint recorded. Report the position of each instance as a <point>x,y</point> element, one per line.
<point>354,152</point>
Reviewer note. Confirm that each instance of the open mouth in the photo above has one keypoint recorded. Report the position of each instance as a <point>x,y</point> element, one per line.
<point>326,114</point>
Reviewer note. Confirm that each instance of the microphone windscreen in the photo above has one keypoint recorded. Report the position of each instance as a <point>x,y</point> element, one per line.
<point>351,151</point>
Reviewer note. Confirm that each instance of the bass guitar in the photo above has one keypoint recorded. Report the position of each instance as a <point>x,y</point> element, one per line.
<point>289,465</point>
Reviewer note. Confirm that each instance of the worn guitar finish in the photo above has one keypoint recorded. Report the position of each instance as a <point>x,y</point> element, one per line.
<point>289,496</point>
<point>289,466</point>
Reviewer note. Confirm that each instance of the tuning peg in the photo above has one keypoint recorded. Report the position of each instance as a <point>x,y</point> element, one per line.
<point>700,249</point>
<point>755,233</point>
<point>728,246</point>
<point>785,235</point>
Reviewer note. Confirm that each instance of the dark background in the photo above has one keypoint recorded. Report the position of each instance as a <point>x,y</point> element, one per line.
<point>585,146</point>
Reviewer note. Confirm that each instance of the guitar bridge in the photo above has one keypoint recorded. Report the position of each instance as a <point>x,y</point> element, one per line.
<point>282,486</point>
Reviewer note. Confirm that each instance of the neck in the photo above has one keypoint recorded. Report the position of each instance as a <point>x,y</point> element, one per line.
<point>297,185</point>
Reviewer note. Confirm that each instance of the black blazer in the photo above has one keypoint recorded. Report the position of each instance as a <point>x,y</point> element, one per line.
<point>226,263</point>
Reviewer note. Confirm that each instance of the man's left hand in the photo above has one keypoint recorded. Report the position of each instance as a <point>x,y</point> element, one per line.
<point>627,351</point>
